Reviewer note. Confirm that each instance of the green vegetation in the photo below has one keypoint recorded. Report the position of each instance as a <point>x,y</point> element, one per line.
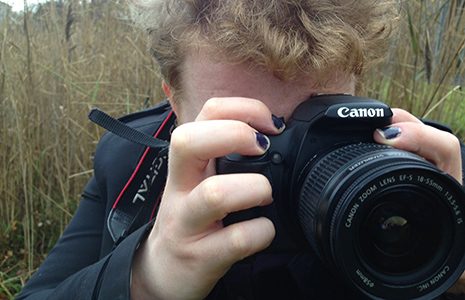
<point>425,70</point>
<point>62,58</point>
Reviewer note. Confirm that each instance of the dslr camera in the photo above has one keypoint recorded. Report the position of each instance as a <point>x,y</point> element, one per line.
<point>386,221</point>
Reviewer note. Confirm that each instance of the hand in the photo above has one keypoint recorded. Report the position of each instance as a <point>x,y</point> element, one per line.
<point>189,249</point>
<point>439,147</point>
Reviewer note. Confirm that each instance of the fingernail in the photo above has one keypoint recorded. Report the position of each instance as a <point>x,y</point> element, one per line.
<point>390,133</point>
<point>278,122</point>
<point>262,140</point>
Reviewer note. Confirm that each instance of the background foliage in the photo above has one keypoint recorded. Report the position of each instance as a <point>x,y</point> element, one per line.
<point>59,59</point>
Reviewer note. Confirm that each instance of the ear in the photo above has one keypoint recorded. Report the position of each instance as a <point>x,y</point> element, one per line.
<point>166,89</point>
<point>169,94</point>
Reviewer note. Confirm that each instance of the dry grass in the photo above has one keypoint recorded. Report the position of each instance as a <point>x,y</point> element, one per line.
<point>57,63</point>
<point>54,66</point>
<point>425,71</point>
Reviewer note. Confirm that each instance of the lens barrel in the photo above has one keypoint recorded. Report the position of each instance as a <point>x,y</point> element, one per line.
<point>387,220</point>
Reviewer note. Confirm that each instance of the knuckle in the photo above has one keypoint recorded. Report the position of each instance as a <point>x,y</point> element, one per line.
<point>261,109</point>
<point>180,138</point>
<point>267,186</point>
<point>213,194</point>
<point>402,113</point>
<point>264,182</point>
<point>185,253</point>
<point>211,107</point>
<point>452,146</point>
<point>169,237</point>
<point>261,182</point>
<point>238,241</point>
<point>455,144</point>
<point>242,131</point>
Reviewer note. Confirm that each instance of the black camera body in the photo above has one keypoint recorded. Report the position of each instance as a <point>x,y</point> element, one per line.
<point>386,221</point>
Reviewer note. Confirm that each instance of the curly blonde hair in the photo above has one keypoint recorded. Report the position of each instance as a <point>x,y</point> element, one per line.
<point>287,37</point>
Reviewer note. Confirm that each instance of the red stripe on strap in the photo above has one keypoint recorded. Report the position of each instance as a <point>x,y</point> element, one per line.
<point>141,161</point>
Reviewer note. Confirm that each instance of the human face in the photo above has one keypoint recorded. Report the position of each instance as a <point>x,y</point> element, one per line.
<point>204,76</point>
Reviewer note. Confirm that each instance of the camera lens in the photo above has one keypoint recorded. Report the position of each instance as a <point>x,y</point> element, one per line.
<point>387,220</point>
<point>402,232</point>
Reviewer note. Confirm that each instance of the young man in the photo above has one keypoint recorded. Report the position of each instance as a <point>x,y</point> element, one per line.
<point>230,68</point>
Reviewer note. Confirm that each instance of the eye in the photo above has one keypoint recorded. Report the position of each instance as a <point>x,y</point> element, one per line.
<point>329,94</point>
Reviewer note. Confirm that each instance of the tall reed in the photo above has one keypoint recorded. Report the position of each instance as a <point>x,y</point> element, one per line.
<point>425,70</point>
<point>57,62</point>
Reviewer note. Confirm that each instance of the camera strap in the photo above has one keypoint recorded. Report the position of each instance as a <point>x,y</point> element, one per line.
<point>138,201</point>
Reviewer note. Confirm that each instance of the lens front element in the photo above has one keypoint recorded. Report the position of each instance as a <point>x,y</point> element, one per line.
<point>403,231</point>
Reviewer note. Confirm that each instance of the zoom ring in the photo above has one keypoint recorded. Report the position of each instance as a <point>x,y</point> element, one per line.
<point>316,180</point>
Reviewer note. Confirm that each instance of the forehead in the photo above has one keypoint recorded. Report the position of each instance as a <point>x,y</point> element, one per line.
<point>204,75</point>
<point>245,78</point>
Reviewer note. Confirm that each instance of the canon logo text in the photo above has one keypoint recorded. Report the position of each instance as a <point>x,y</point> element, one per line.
<point>345,112</point>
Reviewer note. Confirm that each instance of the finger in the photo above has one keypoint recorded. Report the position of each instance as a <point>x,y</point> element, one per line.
<point>220,195</point>
<point>459,286</point>
<point>400,115</point>
<point>235,242</point>
<point>437,146</point>
<point>194,144</point>
<point>250,111</point>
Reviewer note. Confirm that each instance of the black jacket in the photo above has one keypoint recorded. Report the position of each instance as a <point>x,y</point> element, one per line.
<point>85,264</point>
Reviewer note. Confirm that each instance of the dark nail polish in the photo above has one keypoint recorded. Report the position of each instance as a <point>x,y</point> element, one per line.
<point>262,140</point>
<point>278,121</point>
<point>390,133</point>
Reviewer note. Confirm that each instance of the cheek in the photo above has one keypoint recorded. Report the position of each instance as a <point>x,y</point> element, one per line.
<point>187,111</point>
<point>289,110</point>
<point>284,108</point>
